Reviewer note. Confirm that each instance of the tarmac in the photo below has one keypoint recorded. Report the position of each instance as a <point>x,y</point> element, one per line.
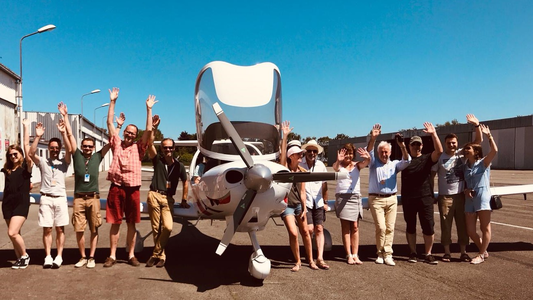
<point>194,271</point>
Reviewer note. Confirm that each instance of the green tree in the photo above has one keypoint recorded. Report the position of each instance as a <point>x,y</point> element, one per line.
<point>341,136</point>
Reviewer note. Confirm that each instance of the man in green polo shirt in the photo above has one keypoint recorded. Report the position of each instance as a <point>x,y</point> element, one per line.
<point>86,205</point>
<point>167,173</point>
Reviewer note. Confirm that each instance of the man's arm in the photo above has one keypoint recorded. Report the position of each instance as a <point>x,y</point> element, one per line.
<point>374,133</point>
<point>150,101</point>
<point>26,142</point>
<point>62,107</point>
<point>184,195</point>
<point>152,152</point>
<point>430,129</point>
<point>325,194</point>
<point>39,131</point>
<point>113,96</point>
<point>478,136</point>
<point>68,148</point>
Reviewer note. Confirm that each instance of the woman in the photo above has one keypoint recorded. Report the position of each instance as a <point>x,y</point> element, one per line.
<point>16,203</point>
<point>295,214</point>
<point>348,205</point>
<point>477,192</point>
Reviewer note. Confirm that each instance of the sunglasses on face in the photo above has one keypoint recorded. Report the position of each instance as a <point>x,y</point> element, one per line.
<point>13,154</point>
<point>312,151</point>
<point>54,148</point>
<point>87,146</point>
<point>168,148</point>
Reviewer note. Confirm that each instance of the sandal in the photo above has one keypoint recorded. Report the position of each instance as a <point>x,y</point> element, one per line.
<point>447,257</point>
<point>485,255</point>
<point>465,258</point>
<point>350,260</point>
<point>313,266</point>
<point>322,264</point>
<point>296,268</point>
<point>357,260</point>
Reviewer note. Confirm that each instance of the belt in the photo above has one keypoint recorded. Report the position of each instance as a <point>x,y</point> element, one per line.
<point>381,195</point>
<point>86,196</point>
<point>50,195</point>
<point>164,193</point>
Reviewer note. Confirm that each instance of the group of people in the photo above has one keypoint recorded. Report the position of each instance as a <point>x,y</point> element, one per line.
<point>463,189</point>
<point>123,198</point>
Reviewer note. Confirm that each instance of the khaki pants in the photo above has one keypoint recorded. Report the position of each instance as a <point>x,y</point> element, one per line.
<point>384,213</point>
<point>160,211</point>
<point>450,207</point>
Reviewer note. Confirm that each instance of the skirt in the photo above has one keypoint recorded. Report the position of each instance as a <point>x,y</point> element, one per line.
<point>349,207</point>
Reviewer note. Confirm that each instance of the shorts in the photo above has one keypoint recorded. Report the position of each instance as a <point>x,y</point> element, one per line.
<point>292,211</point>
<point>86,210</point>
<point>423,206</point>
<point>316,216</point>
<point>53,211</point>
<point>123,200</point>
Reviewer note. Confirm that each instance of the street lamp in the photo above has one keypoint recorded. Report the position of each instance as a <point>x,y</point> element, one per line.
<point>94,116</point>
<point>49,27</point>
<point>92,92</point>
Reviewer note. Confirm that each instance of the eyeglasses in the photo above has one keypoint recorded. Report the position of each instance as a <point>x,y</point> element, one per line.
<point>312,151</point>
<point>168,148</point>
<point>54,148</point>
<point>15,154</point>
<point>129,132</point>
<point>87,146</point>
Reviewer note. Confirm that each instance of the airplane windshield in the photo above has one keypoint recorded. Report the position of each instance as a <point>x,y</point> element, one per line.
<point>250,98</point>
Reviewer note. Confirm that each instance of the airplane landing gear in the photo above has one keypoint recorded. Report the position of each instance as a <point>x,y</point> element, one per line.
<point>259,265</point>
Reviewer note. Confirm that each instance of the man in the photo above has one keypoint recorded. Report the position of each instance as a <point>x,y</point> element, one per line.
<point>382,191</point>
<point>451,198</point>
<point>417,193</point>
<point>167,173</point>
<point>53,207</point>
<point>316,193</point>
<point>86,205</point>
<point>125,177</point>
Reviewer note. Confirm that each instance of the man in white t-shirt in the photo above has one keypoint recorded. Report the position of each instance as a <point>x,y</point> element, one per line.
<point>451,200</point>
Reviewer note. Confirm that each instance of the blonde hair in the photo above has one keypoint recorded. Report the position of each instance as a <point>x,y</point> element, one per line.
<point>9,165</point>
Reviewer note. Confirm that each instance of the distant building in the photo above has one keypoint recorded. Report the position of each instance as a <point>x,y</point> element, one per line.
<point>514,137</point>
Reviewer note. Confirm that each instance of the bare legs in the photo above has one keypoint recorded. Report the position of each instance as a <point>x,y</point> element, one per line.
<point>292,228</point>
<point>484,224</point>
<point>350,240</point>
<point>13,231</point>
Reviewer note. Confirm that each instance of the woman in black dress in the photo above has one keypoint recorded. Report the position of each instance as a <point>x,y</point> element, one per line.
<point>16,202</point>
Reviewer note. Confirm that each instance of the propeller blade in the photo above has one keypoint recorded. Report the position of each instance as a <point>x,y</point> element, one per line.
<point>308,176</point>
<point>233,136</point>
<point>236,219</point>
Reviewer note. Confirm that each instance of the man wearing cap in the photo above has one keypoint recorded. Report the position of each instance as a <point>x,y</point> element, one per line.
<point>316,195</point>
<point>451,198</point>
<point>382,191</point>
<point>417,193</point>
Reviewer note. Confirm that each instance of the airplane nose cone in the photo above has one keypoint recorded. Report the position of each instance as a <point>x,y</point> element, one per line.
<point>258,178</point>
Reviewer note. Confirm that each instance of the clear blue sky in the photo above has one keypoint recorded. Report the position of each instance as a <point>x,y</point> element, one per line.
<point>345,65</point>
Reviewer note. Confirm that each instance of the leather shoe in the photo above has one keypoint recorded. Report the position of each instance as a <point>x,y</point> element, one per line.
<point>134,262</point>
<point>160,263</point>
<point>151,262</point>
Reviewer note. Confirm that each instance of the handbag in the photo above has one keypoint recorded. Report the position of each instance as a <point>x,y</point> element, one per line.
<point>495,202</point>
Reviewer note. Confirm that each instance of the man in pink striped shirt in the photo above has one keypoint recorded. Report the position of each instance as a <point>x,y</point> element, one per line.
<point>125,177</point>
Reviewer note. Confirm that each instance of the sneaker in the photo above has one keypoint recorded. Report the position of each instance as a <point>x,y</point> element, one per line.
<point>161,264</point>
<point>379,260</point>
<point>389,261</point>
<point>81,263</point>
<point>16,265</point>
<point>109,262</point>
<point>485,255</point>
<point>24,261</point>
<point>478,259</point>
<point>134,262</point>
<point>430,259</point>
<point>151,262</point>
<point>48,261</point>
<point>412,258</point>
<point>91,263</point>
<point>57,262</point>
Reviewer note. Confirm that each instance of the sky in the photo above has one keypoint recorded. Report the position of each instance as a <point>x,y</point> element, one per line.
<point>345,65</point>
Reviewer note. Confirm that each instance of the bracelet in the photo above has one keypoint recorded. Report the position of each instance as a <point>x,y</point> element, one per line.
<point>119,126</point>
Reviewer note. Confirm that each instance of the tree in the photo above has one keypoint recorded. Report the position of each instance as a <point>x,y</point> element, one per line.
<point>341,136</point>
<point>294,136</point>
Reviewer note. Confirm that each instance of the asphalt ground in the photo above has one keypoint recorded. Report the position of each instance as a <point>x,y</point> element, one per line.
<point>193,270</point>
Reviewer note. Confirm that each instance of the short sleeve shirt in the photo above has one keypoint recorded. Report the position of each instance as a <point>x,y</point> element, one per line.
<point>164,173</point>
<point>313,189</point>
<point>84,167</point>
<point>382,177</point>
<point>53,176</point>
<point>125,168</point>
<point>416,177</point>
<point>450,169</point>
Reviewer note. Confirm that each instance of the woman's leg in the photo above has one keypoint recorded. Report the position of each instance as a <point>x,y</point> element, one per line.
<point>484,225</point>
<point>13,231</point>
<point>302,225</point>
<point>290,224</point>
<point>354,241</point>
<point>471,220</point>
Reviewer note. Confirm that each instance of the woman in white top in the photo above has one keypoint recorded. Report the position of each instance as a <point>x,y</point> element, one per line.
<point>348,204</point>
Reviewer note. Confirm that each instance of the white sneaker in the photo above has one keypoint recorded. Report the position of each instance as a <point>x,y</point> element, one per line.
<point>48,261</point>
<point>379,260</point>
<point>91,263</point>
<point>389,261</point>
<point>57,262</point>
<point>81,263</point>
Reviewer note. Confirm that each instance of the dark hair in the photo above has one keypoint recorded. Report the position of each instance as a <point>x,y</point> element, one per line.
<point>136,129</point>
<point>54,139</point>
<point>8,166</point>
<point>478,150</point>
<point>88,139</point>
<point>349,147</point>
<point>169,139</point>
<point>450,136</point>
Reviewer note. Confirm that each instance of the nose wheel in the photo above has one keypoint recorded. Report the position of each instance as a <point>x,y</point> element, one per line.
<point>259,265</point>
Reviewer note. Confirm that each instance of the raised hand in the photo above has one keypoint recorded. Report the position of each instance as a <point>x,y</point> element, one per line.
<point>341,154</point>
<point>62,107</point>
<point>150,101</point>
<point>485,129</point>
<point>61,126</point>
<point>25,122</point>
<point>376,130</point>
<point>399,139</point>
<point>156,120</point>
<point>470,118</point>
<point>39,129</point>
<point>121,119</point>
<point>363,153</point>
<point>286,128</point>
<point>430,129</point>
<point>113,94</point>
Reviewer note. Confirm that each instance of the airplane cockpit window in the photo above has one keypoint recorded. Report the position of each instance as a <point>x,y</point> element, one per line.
<point>250,98</point>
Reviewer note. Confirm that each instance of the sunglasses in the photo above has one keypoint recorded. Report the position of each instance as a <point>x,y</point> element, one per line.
<point>312,151</point>
<point>54,148</point>
<point>87,146</point>
<point>168,148</point>
<point>13,154</point>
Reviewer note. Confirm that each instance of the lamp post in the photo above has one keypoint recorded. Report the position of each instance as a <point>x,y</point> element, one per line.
<point>40,30</point>
<point>94,116</point>
<point>92,92</point>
